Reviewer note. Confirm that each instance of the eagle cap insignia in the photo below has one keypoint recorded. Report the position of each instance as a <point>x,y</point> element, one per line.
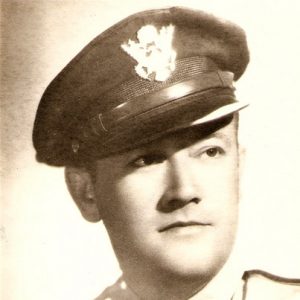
<point>153,52</point>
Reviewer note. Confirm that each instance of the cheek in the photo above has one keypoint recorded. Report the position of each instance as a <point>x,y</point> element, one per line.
<point>131,201</point>
<point>220,203</point>
<point>221,191</point>
<point>140,194</point>
<point>129,215</point>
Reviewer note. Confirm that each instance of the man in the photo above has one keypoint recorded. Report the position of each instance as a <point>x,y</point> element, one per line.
<point>145,121</point>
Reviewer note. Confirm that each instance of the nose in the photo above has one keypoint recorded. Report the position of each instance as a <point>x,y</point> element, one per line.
<point>181,188</point>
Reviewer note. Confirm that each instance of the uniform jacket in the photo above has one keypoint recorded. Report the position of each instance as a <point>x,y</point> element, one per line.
<point>255,285</point>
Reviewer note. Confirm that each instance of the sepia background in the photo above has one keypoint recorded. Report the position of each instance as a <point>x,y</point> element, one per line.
<point>48,251</point>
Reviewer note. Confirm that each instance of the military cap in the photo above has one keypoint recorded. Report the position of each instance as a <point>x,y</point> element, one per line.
<point>152,73</point>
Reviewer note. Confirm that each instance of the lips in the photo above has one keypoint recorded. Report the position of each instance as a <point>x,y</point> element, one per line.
<point>182,224</point>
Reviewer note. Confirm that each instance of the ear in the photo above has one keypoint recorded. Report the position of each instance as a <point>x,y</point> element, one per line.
<point>81,188</point>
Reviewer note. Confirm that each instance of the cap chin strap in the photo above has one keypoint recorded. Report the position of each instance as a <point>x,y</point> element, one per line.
<point>103,122</point>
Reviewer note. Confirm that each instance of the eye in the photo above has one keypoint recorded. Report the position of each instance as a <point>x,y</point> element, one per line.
<point>147,160</point>
<point>210,152</point>
<point>214,151</point>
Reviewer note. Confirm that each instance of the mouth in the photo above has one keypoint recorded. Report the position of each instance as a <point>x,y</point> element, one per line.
<point>182,224</point>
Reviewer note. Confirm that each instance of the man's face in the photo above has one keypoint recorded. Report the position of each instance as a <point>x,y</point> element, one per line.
<point>170,207</point>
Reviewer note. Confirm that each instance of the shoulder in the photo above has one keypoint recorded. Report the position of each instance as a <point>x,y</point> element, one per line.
<point>261,285</point>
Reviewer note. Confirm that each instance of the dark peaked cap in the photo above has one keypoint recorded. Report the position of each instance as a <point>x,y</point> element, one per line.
<point>152,73</point>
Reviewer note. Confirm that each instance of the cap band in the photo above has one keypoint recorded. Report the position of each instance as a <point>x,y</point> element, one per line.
<point>145,103</point>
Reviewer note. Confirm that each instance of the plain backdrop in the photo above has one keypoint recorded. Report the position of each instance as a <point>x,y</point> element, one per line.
<point>48,251</point>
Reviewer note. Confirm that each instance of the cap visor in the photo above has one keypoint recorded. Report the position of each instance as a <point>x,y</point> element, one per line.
<point>220,112</point>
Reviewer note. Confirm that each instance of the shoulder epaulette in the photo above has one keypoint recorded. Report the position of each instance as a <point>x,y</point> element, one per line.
<point>261,285</point>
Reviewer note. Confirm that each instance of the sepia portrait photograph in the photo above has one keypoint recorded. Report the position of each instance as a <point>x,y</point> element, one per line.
<point>150,150</point>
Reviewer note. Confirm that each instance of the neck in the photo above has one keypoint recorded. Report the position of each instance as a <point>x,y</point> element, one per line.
<point>166,286</point>
<point>224,284</point>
